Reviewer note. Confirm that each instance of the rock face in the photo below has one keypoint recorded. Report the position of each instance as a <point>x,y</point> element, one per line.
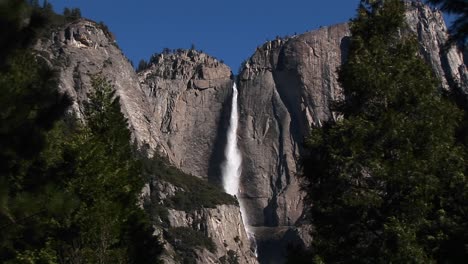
<point>82,49</point>
<point>175,106</point>
<point>213,222</point>
<point>285,90</point>
<point>222,224</point>
<point>430,28</point>
<point>188,94</point>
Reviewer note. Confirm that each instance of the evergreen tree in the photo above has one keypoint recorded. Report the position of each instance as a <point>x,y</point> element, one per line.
<point>142,65</point>
<point>75,13</point>
<point>68,191</point>
<point>387,181</point>
<point>31,105</point>
<point>108,182</point>
<point>66,12</point>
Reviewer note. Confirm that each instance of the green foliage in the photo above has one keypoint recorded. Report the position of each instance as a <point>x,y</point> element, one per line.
<point>142,65</point>
<point>68,191</point>
<point>108,181</point>
<point>185,240</point>
<point>195,193</point>
<point>82,205</point>
<point>298,255</point>
<point>31,105</point>
<point>142,246</point>
<point>72,14</point>
<point>20,24</point>
<point>387,181</point>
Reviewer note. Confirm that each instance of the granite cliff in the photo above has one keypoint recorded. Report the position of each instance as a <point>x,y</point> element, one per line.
<point>187,94</point>
<point>178,107</point>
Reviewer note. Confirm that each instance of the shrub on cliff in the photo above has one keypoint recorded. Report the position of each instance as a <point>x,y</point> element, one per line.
<point>195,193</point>
<point>185,240</point>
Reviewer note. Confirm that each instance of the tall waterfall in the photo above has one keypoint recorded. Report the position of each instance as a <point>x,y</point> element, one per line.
<point>231,169</point>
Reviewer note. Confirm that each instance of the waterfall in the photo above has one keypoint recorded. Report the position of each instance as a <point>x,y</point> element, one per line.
<point>231,169</point>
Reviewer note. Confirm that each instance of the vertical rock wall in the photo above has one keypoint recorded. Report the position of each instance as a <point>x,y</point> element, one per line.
<point>188,95</point>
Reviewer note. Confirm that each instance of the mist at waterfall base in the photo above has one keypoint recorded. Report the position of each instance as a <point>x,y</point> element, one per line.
<point>231,168</point>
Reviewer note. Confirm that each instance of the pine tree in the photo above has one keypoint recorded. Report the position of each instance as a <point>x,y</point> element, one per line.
<point>109,179</point>
<point>142,65</point>
<point>68,191</point>
<point>31,106</point>
<point>387,181</point>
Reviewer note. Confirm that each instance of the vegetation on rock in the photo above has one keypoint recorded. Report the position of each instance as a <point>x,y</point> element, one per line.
<point>186,240</point>
<point>193,193</point>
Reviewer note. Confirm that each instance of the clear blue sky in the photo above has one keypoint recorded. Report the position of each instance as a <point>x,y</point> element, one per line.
<point>228,30</point>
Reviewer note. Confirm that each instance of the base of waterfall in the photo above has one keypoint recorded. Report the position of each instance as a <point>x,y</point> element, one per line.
<point>272,243</point>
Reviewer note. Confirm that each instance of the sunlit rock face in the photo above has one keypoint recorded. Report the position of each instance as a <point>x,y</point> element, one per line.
<point>188,94</point>
<point>84,48</point>
<point>222,224</point>
<point>178,106</point>
<point>285,90</point>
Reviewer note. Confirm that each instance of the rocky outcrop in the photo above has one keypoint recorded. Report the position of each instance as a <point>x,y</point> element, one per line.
<point>285,89</point>
<point>222,224</point>
<point>188,94</point>
<point>431,30</point>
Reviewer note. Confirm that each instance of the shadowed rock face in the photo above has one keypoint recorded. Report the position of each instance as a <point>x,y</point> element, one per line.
<point>285,89</point>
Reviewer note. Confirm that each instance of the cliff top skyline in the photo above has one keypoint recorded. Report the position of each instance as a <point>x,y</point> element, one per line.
<point>228,31</point>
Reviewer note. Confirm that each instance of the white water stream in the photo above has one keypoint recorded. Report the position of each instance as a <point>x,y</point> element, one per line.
<point>231,168</point>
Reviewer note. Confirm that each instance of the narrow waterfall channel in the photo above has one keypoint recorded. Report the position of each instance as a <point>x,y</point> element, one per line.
<point>231,168</point>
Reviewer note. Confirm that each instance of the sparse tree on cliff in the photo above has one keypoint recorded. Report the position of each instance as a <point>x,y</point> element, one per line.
<point>142,65</point>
